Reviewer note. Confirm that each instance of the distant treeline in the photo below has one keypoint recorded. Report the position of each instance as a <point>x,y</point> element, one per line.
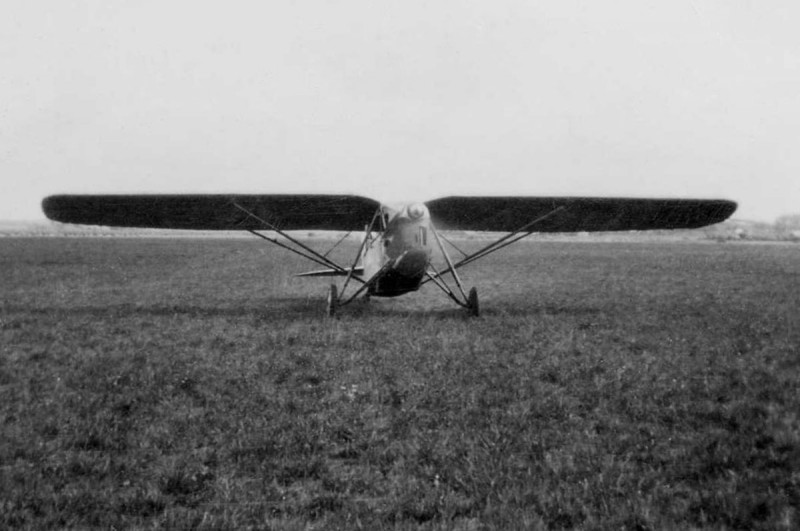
<point>785,228</point>
<point>788,222</point>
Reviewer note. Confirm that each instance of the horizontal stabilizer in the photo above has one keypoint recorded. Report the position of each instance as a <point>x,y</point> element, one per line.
<point>358,271</point>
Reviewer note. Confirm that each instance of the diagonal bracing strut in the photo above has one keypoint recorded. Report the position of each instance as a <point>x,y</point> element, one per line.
<point>450,267</point>
<point>309,253</point>
<point>506,240</point>
<point>453,245</point>
<point>442,285</point>
<point>367,236</point>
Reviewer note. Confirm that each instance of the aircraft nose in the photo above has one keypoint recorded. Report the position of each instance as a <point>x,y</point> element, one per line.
<point>417,211</point>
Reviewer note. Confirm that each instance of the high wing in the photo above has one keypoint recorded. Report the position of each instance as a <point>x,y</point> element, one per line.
<point>575,214</point>
<point>214,212</point>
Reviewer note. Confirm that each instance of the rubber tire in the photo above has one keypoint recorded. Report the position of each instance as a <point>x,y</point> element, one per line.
<point>333,300</point>
<point>472,303</point>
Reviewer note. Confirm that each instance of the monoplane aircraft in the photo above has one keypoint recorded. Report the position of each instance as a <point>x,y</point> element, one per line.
<point>395,255</point>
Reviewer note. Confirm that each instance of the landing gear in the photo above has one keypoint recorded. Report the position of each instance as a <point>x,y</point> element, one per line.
<point>473,307</point>
<point>470,302</point>
<point>333,300</point>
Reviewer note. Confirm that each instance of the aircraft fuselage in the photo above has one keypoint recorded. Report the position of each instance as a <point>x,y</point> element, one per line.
<point>401,253</point>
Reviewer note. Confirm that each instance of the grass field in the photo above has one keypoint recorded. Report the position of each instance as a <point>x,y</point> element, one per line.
<point>196,384</point>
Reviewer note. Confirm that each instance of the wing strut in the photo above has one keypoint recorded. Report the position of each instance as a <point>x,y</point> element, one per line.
<point>450,267</point>
<point>309,253</point>
<point>367,236</point>
<point>288,248</point>
<point>454,246</point>
<point>508,239</point>
<point>470,302</point>
<point>442,285</point>
<point>335,245</point>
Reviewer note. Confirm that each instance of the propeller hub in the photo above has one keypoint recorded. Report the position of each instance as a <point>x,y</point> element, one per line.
<point>417,211</point>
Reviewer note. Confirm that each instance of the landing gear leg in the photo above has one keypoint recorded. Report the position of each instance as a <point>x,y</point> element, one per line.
<point>472,303</point>
<point>333,300</point>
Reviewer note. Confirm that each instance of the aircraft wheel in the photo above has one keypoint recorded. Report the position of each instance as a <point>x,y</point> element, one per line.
<point>333,300</point>
<point>472,303</point>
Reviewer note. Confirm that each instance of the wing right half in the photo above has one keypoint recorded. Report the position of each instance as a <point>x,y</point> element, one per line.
<point>575,214</point>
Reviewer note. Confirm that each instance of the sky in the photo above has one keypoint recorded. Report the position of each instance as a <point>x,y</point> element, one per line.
<point>402,99</point>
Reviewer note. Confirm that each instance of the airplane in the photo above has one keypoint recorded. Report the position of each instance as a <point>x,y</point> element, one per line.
<point>395,256</point>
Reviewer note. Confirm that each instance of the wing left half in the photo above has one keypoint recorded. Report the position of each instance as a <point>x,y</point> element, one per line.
<point>215,212</point>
